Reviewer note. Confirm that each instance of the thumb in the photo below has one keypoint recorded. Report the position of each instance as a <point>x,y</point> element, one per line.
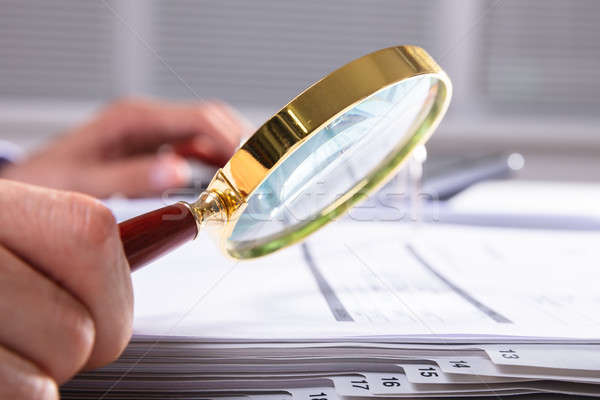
<point>140,176</point>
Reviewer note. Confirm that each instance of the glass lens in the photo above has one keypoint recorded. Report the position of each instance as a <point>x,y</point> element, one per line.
<point>334,161</point>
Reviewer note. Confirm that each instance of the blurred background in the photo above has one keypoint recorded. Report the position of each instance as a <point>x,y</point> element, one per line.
<point>526,73</point>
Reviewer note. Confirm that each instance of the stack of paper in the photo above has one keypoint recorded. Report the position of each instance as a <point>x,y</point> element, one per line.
<point>367,310</point>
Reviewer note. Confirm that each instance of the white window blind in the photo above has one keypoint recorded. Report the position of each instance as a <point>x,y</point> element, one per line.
<point>542,57</point>
<point>265,51</point>
<point>510,60</point>
<point>59,49</point>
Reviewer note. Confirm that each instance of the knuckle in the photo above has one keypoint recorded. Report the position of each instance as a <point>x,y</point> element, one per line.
<point>20,378</point>
<point>77,326</point>
<point>93,223</point>
<point>101,224</point>
<point>120,343</point>
<point>121,327</point>
<point>110,342</point>
<point>42,388</point>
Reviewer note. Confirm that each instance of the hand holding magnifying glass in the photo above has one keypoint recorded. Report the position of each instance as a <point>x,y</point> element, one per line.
<point>322,153</point>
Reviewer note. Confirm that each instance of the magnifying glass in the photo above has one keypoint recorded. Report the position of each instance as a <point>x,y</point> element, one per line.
<point>322,153</point>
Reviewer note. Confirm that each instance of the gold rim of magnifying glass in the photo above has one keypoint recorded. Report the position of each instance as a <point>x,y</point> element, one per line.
<point>226,196</point>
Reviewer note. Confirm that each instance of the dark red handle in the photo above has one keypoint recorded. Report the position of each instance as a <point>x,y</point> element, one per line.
<point>150,235</point>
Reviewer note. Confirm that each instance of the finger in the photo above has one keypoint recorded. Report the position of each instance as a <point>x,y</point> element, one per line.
<point>132,125</point>
<point>20,379</point>
<point>219,141</point>
<point>228,122</point>
<point>204,148</point>
<point>48,326</point>
<point>73,239</point>
<point>140,176</point>
<point>245,127</point>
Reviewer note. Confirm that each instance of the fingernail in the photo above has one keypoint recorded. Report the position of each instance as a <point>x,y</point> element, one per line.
<point>170,172</point>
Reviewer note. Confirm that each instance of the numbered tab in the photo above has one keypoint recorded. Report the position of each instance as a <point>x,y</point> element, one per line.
<point>466,365</point>
<point>388,383</point>
<point>459,363</point>
<point>320,393</point>
<point>424,373</point>
<point>577,357</point>
<point>356,385</point>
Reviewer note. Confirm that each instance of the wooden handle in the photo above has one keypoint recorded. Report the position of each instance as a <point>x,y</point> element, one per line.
<point>150,235</point>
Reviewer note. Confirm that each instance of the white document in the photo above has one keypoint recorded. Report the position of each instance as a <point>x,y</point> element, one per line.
<point>378,281</point>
